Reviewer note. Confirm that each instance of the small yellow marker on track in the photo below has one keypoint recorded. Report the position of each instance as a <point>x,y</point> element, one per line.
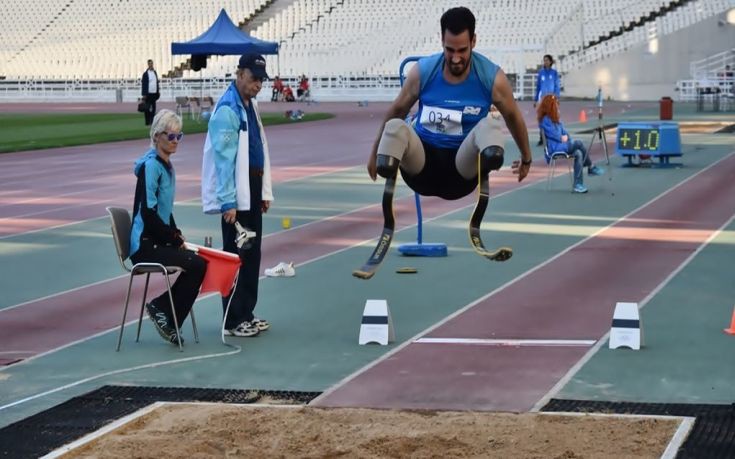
<point>407,270</point>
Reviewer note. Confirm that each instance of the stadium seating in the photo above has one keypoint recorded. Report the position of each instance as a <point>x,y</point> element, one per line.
<point>112,39</point>
<point>102,39</point>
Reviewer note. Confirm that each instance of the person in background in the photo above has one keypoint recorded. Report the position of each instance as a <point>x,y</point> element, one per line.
<point>288,94</point>
<point>154,237</point>
<point>547,82</point>
<point>151,92</point>
<point>558,139</point>
<point>302,92</point>
<point>277,89</point>
<point>236,184</point>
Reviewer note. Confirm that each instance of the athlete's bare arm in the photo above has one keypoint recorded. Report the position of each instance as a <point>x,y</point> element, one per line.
<point>506,104</point>
<point>399,109</point>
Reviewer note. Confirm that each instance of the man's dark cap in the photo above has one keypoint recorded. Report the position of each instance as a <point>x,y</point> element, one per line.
<point>255,63</point>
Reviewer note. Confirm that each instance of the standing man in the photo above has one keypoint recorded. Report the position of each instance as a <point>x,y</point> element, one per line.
<point>547,82</point>
<point>236,183</point>
<point>150,92</point>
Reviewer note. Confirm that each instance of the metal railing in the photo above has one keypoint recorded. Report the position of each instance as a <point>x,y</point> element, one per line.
<point>712,65</point>
<point>692,90</point>
<point>372,88</point>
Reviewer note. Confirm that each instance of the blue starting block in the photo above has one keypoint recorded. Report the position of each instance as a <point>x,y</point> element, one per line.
<point>420,248</point>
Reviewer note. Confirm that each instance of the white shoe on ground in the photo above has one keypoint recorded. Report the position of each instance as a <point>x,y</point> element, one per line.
<point>260,324</point>
<point>282,269</point>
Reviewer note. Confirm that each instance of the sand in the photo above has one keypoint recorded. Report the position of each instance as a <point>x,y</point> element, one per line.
<point>220,430</point>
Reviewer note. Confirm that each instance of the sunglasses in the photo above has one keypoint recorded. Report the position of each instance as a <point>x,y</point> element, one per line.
<point>171,137</point>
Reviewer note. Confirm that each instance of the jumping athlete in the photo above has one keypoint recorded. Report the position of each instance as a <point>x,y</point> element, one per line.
<point>451,144</point>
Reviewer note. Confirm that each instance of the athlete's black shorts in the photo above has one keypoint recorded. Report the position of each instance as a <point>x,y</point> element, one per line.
<point>439,177</point>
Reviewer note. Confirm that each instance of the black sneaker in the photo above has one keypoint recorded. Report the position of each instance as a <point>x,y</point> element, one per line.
<point>161,322</point>
<point>173,340</point>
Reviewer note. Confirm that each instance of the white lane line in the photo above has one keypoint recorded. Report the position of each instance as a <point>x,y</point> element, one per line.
<point>428,330</point>
<point>267,236</point>
<point>203,297</point>
<point>71,290</point>
<point>119,371</point>
<point>578,366</point>
<point>679,438</point>
<point>509,342</point>
<point>682,431</point>
<point>340,169</point>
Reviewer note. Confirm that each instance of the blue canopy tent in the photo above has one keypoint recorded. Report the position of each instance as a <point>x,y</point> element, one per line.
<point>222,38</point>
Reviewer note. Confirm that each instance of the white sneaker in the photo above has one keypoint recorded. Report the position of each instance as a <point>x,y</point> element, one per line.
<point>244,329</point>
<point>282,269</point>
<point>260,324</point>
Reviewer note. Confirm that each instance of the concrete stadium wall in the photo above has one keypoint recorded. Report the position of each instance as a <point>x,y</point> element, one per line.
<point>636,74</point>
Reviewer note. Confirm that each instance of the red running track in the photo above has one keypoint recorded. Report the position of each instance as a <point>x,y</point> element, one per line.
<point>626,262</point>
<point>56,188</point>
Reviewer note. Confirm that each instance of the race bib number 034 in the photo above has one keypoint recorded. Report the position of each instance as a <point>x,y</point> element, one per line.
<point>441,120</point>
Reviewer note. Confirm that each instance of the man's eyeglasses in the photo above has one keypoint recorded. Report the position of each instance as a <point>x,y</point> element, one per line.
<point>171,137</point>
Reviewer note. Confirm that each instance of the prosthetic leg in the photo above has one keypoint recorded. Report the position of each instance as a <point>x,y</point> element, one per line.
<point>489,159</point>
<point>388,168</point>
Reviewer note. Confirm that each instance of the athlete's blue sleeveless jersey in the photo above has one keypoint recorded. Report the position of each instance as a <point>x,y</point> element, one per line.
<point>448,112</point>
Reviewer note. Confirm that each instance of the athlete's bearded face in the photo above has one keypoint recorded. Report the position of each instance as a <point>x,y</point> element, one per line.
<point>457,51</point>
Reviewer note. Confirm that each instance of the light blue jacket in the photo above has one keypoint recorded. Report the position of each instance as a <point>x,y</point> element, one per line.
<point>226,165</point>
<point>153,205</point>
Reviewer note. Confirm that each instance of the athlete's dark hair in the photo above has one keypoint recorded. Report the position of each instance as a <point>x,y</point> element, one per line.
<point>551,59</point>
<point>457,20</point>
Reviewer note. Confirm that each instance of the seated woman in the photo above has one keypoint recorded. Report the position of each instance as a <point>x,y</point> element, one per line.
<point>155,238</point>
<point>557,139</point>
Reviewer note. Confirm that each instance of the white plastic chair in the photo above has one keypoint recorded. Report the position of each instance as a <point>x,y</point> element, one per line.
<point>183,103</point>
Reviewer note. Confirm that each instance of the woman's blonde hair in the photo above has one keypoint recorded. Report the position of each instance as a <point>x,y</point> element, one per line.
<point>164,119</point>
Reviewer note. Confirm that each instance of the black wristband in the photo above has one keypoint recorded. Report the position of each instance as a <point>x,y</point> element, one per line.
<point>526,163</point>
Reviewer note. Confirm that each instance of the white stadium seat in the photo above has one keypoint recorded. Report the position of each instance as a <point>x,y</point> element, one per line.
<point>112,39</point>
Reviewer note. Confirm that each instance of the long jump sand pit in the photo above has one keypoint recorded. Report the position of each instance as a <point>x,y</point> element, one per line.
<point>220,430</point>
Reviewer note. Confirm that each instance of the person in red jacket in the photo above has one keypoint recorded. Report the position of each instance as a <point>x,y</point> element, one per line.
<point>288,94</point>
